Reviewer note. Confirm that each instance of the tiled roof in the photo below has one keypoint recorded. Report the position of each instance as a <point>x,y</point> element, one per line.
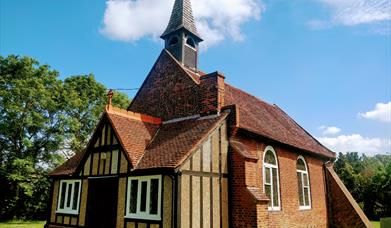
<point>243,149</point>
<point>258,194</point>
<point>134,135</point>
<point>271,122</point>
<point>175,142</point>
<point>148,144</point>
<point>134,132</point>
<point>69,167</point>
<point>181,17</point>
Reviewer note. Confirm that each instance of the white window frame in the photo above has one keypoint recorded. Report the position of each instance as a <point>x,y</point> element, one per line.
<point>302,173</point>
<point>69,210</point>
<point>144,215</point>
<point>271,167</point>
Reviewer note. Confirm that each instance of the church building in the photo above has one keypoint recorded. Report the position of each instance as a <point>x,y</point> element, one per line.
<point>192,151</point>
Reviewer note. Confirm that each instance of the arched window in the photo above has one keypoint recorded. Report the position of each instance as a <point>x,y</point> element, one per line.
<point>271,181</point>
<point>173,41</point>
<point>303,184</point>
<point>190,42</point>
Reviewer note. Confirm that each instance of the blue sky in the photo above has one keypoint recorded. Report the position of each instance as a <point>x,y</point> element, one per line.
<point>327,63</point>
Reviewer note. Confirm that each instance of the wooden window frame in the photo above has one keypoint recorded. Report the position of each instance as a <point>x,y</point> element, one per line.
<point>144,215</point>
<point>69,210</point>
<point>307,205</point>
<point>271,184</point>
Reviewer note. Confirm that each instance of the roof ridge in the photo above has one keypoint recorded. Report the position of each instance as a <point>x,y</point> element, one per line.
<point>186,70</point>
<point>109,109</point>
<point>146,148</point>
<point>294,121</point>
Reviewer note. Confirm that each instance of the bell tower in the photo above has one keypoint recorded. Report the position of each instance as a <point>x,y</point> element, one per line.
<point>181,36</point>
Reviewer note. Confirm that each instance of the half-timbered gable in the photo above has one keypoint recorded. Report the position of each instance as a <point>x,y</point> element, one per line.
<point>113,151</point>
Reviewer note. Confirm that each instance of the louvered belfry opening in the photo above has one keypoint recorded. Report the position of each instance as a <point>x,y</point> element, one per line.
<point>181,36</point>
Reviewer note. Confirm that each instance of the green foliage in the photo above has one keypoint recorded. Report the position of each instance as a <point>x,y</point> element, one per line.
<point>369,181</point>
<point>41,119</point>
<point>22,224</point>
<point>85,99</point>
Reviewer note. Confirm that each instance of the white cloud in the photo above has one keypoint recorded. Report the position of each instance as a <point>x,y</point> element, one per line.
<point>357,143</point>
<point>382,112</point>
<point>329,130</point>
<point>132,20</point>
<point>354,12</point>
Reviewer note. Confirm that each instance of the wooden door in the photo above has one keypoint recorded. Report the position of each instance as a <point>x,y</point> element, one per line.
<point>102,203</point>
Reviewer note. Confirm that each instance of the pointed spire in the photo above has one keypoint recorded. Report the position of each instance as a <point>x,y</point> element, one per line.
<point>182,18</point>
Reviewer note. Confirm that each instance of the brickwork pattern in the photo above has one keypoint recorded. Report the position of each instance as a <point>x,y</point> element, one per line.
<point>248,172</point>
<point>170,91</point>
<point>344,210</point>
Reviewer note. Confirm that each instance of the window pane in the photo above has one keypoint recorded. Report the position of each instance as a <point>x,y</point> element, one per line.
<point>301,165</point>
<point>75,195</point>
<point>300,189</point>
<point>143,200</point>
<point>276,202</point>
<point>69,195</point>
<point>269,158</point>
<point>133,197</point>
<point>154,197</point>
<point>307,197</point>
<point>268,191</point>
<point>267,176</point>
<point>305,177</point>
<point>63,191</point>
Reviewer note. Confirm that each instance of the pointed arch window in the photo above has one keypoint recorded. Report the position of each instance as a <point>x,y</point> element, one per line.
<point>303,184</point>
<point>271,182</point>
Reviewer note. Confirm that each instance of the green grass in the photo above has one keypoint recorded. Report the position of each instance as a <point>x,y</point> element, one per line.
<point>22,224</point>
<point>375,224</point>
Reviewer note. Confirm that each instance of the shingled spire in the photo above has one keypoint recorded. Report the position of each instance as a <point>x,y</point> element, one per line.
<point>181,36</point>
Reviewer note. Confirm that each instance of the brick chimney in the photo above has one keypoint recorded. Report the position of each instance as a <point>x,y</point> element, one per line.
<point>212,90</point>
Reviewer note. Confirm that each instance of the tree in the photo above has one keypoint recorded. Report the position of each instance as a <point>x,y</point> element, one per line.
<point>31,127</point>
<point>369,181</point>
<point>40,116</point>
<point>85,99</point>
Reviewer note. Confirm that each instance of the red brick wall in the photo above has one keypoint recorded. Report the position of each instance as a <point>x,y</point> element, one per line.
<point>243,208</point>
<point>290,215</point>
<point>344,210</point>
<point>169,92</point>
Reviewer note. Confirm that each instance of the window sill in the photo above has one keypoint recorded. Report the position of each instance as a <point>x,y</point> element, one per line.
<point>67,212</point>
<point>274,209</point>
<point>305,208</point>
<point>144,217</point>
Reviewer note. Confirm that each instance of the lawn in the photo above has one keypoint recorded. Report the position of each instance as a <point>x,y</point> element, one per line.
<point>22,224</point>
<point>376,224</point>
